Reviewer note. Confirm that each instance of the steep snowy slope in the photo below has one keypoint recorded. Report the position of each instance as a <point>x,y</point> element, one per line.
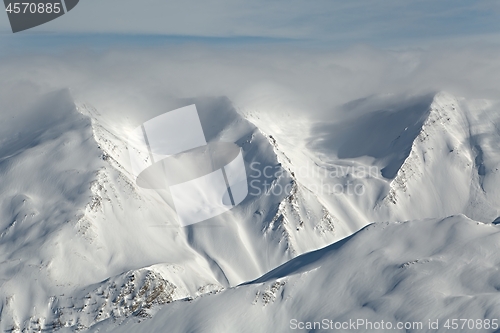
<point>445,169</point>
<point>394,159</point>
<point>82,243</point>
<point>426,155</point>
<point>409,273</point>
<point>46,168</point>
<point>274,223</point>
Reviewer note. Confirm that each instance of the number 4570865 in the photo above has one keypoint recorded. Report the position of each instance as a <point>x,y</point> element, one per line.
<point>33,8</point>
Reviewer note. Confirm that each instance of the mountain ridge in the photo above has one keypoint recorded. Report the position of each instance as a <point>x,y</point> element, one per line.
<point>108,249</point>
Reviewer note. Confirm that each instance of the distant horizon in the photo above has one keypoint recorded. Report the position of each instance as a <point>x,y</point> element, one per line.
<point>329,24</point>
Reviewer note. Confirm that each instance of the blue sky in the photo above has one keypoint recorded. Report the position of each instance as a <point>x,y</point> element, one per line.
<point>327,23</point>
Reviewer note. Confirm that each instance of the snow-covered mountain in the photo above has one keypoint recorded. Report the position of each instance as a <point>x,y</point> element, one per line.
<point>412,158</point>
<point>82,246</point>
<point>409,274</point>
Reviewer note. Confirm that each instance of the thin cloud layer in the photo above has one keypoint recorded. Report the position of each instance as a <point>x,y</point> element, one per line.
<point>139,84</point>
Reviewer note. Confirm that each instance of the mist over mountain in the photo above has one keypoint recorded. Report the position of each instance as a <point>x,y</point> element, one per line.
<point>85,247</point>
<point>249,166</point>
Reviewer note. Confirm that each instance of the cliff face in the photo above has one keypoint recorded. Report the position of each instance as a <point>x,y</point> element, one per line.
<point>445,169</point>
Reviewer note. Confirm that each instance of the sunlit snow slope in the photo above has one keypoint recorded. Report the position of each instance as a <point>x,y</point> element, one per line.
<point>409,272</point>
<point>82,246</point>
<point>82,243</point>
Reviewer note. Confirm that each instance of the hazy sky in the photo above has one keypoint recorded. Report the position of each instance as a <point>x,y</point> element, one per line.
<point>127,56</point>
<point>326,22</point>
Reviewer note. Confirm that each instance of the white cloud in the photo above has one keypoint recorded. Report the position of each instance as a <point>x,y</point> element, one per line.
<point>132,83</point>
